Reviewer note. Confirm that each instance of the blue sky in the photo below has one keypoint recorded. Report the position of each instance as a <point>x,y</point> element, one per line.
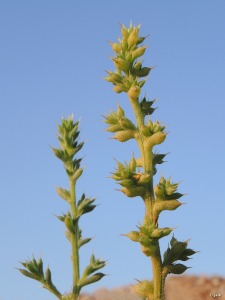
<point>52,60</point>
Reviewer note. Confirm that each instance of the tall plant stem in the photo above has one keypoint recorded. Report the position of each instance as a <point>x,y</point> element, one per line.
<point>74,242</point>
<point>137,112</point>
<point>164,274</point>
<point>157,274</point>
<point>147,157</point>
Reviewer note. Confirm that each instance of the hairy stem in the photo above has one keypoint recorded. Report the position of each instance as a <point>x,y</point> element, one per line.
<point>147,157</point>
<point>137,112</point>
<point>157,274</point>
<point>164,274</point>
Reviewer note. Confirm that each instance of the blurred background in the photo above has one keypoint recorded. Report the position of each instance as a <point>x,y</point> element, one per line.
<point>52,60</point>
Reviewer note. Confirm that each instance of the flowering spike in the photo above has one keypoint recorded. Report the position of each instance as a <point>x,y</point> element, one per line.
<point>136,178</point>
<point>68,147</point>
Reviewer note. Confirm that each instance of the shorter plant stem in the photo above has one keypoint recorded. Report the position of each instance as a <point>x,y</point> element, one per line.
<point>52,290</point>
<point>74,242</point>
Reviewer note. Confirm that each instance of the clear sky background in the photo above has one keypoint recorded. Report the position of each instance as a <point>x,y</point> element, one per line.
<point>52,60</point>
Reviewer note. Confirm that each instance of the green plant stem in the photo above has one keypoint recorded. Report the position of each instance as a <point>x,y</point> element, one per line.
<point>137,112</point>
<point>157,274</point>
<point>74,242</point>
<point>52,290</point>
<point>147,156</point>
<point>140,122</point>
<point>164,274</point>
<point>149,202</point>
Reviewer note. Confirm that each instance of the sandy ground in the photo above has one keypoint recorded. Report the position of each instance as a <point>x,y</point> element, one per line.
<point>177,288</point>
